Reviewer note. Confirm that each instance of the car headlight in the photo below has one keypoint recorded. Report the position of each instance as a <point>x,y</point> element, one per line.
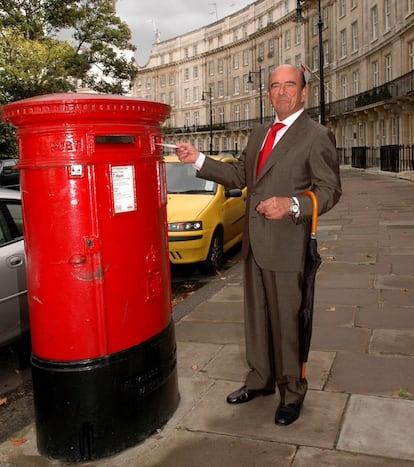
<point>185,226</point>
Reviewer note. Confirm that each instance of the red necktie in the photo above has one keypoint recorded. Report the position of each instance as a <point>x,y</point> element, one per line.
<point>268,146</point>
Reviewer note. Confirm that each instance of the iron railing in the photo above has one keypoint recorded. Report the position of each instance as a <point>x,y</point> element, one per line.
<point>389,158</point>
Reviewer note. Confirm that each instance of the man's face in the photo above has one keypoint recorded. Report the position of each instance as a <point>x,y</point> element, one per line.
<point>285,91</point>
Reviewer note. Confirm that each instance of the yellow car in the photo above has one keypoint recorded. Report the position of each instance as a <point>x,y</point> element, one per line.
<point>204,218</point>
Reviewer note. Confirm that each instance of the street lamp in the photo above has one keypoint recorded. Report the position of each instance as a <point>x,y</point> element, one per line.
<point>250,81</point>
<point>203,98</point>
<point>300,19</point>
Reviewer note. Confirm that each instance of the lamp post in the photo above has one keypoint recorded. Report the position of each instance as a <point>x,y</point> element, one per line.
<point>250,81</point>
<point>300,19</point>
<point>203,98</point>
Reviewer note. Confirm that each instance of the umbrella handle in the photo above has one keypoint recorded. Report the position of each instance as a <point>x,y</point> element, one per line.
<point>314,199</point>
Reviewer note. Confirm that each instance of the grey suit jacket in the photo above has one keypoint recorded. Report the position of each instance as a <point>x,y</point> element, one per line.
<point>305,158</point>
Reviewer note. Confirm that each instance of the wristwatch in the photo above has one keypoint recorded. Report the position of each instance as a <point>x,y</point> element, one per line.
<point>294,207</point>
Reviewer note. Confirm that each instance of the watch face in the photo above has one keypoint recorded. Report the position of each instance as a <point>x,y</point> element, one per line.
<point>294,209</point>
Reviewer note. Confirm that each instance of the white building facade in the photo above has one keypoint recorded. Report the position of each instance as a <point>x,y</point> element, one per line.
<point>215,78</point>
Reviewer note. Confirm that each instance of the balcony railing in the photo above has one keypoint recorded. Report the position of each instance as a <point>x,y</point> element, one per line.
<point>392,90</point>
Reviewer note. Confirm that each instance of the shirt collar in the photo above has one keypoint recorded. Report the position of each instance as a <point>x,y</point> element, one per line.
<point>291,119</point>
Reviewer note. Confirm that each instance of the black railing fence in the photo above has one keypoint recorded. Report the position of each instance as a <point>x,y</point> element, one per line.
<point>389,158</point>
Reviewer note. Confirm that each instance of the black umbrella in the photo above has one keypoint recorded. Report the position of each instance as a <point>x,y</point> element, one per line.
<point>312,263</point>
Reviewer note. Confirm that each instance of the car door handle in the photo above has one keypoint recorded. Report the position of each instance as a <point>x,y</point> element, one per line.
<point>15,261</point>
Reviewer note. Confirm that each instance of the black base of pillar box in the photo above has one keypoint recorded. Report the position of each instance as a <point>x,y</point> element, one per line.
<point>89,409</point>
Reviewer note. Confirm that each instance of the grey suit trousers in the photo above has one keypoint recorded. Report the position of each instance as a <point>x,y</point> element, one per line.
<point>272,301</point>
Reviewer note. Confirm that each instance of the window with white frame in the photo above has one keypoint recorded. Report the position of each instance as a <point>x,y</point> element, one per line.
<point>260,22</point>
<point>195,50</point>
<point>298,34</point>
<point>172,98</point>
<point>185,52</point>
<point>196,118</point>
<point>394,130</point>
<point>270,17</point>
<point>383,131</point>
<point>186,96</point>
<point>235,60</point>
<point>196,94</point>
<point>236,111</point>
<point>387,15</point>
<point>325,48</point>
<point>355,82</point>
<point>315,20</point>
<point>388,67</point>
<point>342,8</point>
<point>221,115</point>
<point>315,58</point>
<point>220,65</point>
<point>211,68</point>
<point>288,43</point>
<point>148,83</point>
<point>327,94</point>
<point>325,17</point>
<point>246,111</point>
<point>235,35</point>
<point>246,87</point>
<point>374,23</point>
<point>245,57</point>
<point>315,95</point>
<point>355,36</point>
<point>261,51</point>
<point>186,74</point>
<point>187,121</point>
<point>163,97</point>
<point>224,144</point>
<point>344,86</point>
<point>220,89</point>
<point>375,74</point>
<point>195,72</point>
<point>343,48</point>
<point>171,78</point>
<point>411,55</point>
<point>361,133</point>
<point>271,47</point>
<point>236,85</point>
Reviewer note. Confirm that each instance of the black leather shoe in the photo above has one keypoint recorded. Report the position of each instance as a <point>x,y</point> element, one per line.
<point>287,414</point>
<point>245,394</point>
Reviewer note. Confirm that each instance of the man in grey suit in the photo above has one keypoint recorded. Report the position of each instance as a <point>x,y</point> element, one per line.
<point>302,157</point>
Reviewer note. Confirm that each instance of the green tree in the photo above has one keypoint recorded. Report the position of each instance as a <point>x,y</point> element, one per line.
<point>49,46</point>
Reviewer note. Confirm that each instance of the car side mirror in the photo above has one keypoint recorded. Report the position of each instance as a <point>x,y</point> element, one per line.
<point>233,193</point>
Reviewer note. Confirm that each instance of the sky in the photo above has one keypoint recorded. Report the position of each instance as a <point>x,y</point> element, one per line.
<point>171,18</point>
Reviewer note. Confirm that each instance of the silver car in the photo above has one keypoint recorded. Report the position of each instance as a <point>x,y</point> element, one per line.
<point>14,317</point>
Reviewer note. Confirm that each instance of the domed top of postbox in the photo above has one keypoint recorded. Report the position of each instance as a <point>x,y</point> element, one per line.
<point>81,108</point>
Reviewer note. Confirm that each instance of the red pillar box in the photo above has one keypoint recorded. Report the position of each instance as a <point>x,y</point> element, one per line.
<point>94,206</point>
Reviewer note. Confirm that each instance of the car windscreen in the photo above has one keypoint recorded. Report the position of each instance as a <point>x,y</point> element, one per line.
<point>11,221</point>
<point>181,178</point>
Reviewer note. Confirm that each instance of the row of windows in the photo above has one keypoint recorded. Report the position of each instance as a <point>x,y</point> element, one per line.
<point>240,113</point>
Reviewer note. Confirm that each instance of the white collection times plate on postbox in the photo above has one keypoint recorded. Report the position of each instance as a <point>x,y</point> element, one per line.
<point>123,188</point>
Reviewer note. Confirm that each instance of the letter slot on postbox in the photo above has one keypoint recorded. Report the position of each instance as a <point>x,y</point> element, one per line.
<point>94,206</point>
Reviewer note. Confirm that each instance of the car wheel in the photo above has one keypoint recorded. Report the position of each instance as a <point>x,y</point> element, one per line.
<point>215,254</point>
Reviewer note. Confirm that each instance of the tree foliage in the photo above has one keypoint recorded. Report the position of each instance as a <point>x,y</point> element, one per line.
<point>49,46</point>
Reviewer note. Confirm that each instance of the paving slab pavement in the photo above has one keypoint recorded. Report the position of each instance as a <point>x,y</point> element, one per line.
<point>359,410</point>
